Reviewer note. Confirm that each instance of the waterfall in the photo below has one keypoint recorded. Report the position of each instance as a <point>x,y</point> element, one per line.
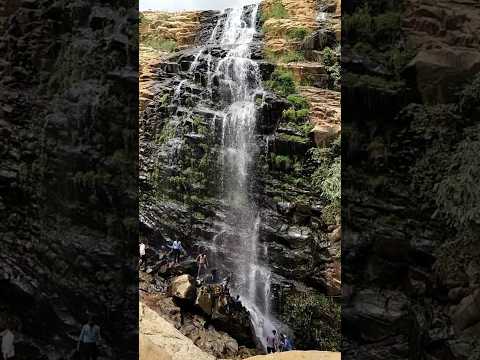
<point>233,83</point>
<point>239,82</point>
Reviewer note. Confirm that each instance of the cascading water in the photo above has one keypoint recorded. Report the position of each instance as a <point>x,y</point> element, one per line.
<point>240,82</point>
<point>233,82</point>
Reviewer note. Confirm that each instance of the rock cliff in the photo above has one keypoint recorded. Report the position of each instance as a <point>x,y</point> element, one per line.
<point>68,128</point>
<point>409,267</point>
<point>179,170</point>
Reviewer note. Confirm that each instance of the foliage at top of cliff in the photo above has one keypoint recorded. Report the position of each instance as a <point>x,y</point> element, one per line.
<point>276,11</point>
<point>373,33</point>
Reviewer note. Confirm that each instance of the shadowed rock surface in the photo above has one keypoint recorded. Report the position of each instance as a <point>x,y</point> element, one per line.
<point>68,205</point>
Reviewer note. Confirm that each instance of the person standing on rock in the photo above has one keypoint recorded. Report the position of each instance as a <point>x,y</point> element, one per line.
<point>272,342</point>
<point>142,251</point>
<point>202,263</point>
<point>88,340</point>
<point>177,250</point>
<point>8,347</point>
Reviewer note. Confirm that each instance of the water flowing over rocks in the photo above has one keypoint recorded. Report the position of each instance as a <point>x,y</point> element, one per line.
<point>209,174</point>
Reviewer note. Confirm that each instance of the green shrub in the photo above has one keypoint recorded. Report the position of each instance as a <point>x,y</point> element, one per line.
<point>318,313</point>
<point>291,56</point>
<point>290,114</point>
<point>470,97</point>
<point>329,56</point>
<point>303,114</point>
<point>295,116</point>
<point>387,26</point>
<point>282,162</point>
<point>326,178</point>
<point>299,111</point>
<point>281,81</point>
<point>298,101</point>
<point>276,11</point>
<point>299,33</point>
<point>358,25</point>
<point>167,45</point>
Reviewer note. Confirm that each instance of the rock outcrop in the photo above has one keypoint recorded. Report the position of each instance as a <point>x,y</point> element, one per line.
<point>199,327</point>
<point>445,37</point>
<point>181,132</point>
<point>182,287</point>
<point>159,340</point>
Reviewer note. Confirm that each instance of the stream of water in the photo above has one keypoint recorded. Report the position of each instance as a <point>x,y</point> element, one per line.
<point>233,81</point>
<point>240,82</point>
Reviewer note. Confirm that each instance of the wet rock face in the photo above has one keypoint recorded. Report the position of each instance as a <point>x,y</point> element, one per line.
<point>181,173</point>
<point>67,72</point>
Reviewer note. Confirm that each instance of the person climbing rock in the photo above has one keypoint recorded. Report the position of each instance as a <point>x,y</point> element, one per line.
<point>177,250</point>
<point>202,263</point>
<point>272,342</point>
<point>8,346</point>
<point>88,340</point>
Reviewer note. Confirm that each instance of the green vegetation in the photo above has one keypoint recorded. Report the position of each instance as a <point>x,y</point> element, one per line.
<point>157,43</point>
<point>298,101</point>
<point>365,26</point>
<point>168,132</point>
<point>299,33</point>
<point>291,56</point>
<point>318,313</point>
<point>299,111</point>
<point>374,31</point>
<point>330,59</point>
<point>369,81</point>
<point>327,178</point>
<point>284,57</point>
<point>282,82</point>
<point>282,162</point>
<point>294,138</point>
<point>295,116</point>
<point>276,11</point>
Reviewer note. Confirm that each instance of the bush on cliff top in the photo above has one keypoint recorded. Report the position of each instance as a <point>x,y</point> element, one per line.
<point>276,11</point>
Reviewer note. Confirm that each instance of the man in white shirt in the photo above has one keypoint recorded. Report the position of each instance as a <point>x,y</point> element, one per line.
<point>8,347</point>
<point>88,340</point>
<point>142,252</point>
<point>177,249</point>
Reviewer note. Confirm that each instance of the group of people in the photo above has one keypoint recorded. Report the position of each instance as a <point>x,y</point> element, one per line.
<point>86,346</point>
<point>276,343</point>
<point>176,251</point>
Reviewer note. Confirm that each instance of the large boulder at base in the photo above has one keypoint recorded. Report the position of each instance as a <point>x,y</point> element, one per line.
<point>300,355</point>
<point>184,267</point>
<point>159,340</point>
<point>182,287</point>
<point>224,315</point>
